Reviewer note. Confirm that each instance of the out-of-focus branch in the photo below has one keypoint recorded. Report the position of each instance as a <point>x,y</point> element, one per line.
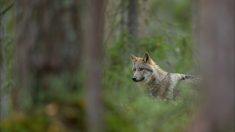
<point>7,8</point>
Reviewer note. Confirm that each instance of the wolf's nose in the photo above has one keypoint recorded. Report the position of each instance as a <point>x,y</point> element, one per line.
<point>133,78</point>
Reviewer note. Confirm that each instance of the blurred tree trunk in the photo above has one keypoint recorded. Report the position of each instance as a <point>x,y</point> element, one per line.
<point>143,17</point>
<point>1,69</point>
<point>216,45</point>
<point>132,22</point>
<point>132,26</point>
<point>5,82</point>
<point>4,95</point>
<point>47,42</point>
<point>123,22</point>
<point>94,58</point>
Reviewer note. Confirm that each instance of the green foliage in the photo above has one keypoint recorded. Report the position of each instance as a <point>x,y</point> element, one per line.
<point>20,122</point>
<point>63,116</point>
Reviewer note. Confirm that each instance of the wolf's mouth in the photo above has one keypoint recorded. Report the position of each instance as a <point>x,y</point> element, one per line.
<point>137,80</point>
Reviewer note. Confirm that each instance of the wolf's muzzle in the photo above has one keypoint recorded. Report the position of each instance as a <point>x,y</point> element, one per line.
<point>136,80</point>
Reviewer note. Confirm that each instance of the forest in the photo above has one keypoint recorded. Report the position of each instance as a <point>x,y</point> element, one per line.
<point>65,66</point>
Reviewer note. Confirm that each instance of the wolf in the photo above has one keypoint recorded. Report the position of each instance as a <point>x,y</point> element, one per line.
<point>159,83</point>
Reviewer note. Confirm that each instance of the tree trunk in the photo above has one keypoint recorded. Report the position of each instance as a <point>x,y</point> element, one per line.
<point>143,17</point>
<point>4,92</point>
<point>94,59</point>
<point>132,26</point>
<point>5,60</point>
<point>217,49</point>
<point>132,22</point>
<point>1,70</point>
<point>123,21</point>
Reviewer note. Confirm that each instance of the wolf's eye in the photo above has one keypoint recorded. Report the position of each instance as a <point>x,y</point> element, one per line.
<point>141,69</point>
<point>134,69</point>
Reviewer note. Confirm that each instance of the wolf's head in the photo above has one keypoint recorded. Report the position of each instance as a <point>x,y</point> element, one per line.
<point>142,67</point>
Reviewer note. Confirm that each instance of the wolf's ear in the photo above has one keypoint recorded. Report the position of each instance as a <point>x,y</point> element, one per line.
<point>133,57</point>
<point>146,57</point>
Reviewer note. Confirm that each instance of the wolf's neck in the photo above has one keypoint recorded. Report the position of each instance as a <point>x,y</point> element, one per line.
<point>158,75</point>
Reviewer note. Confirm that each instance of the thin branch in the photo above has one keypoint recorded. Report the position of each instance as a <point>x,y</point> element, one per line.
<point>8,8</point>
